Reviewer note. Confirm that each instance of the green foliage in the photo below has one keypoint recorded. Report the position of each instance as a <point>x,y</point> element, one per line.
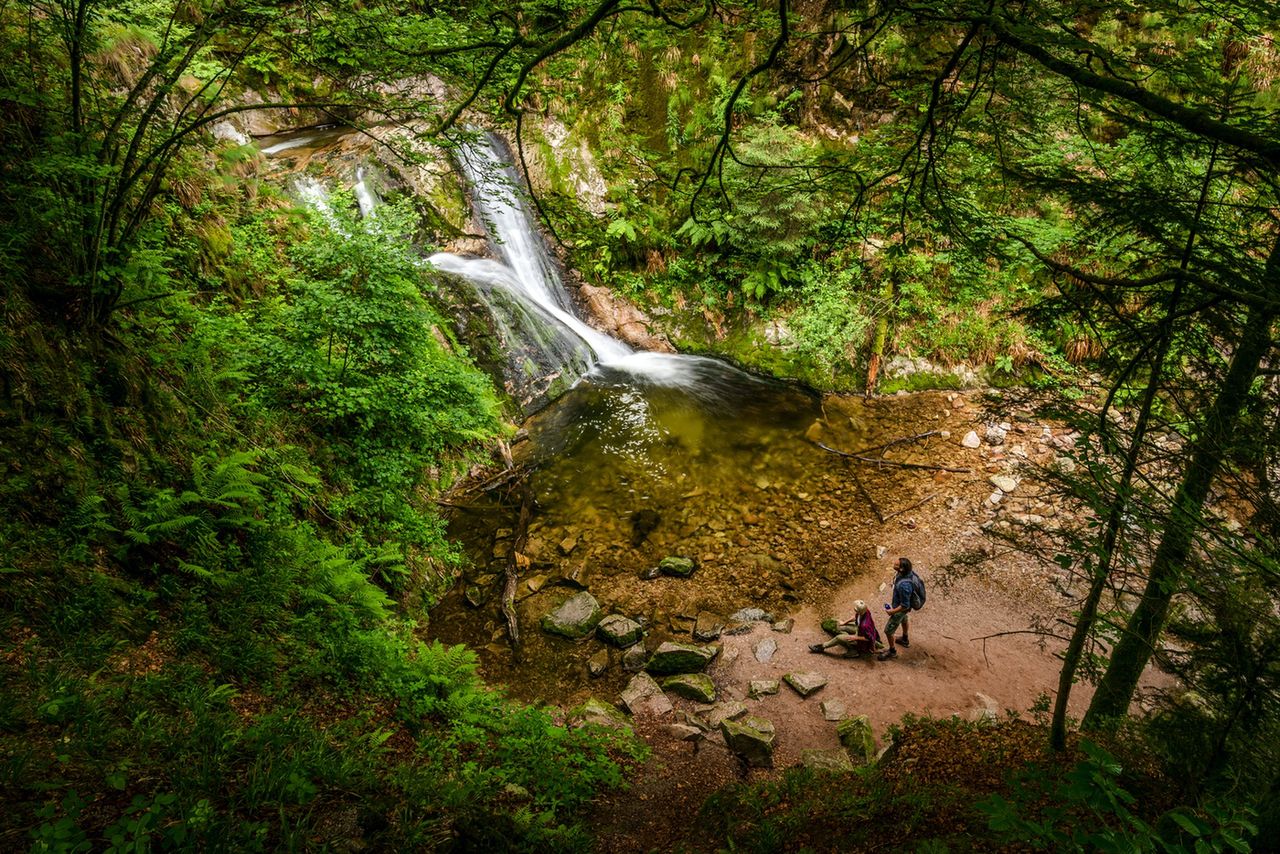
<point>1089,810</point>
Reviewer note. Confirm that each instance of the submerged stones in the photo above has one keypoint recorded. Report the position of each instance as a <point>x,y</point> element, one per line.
<point>673,657</point>
<point>617,630</point>
<point>575,618</point>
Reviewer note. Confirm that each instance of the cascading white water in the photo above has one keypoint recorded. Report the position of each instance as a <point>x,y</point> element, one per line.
<point>528,273</point>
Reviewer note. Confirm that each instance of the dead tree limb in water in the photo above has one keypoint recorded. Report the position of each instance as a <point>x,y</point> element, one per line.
<point>924,500</point>
<point>862,490</point>
<point>884,462</point>
<point>904,440</point>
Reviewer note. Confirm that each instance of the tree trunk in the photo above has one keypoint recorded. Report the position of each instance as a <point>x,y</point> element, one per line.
<point>1208,451</point>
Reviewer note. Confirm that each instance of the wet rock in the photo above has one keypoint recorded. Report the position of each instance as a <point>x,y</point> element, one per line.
<point>726,712</point>
<point>650,573</point>
<point>617,630</point>
<point>642,523</point>
<point>598,664</point>
<point>833,710</point>
<point>568,544</point>
<point>576,577</point>
<point>764,650</point>
<point>762,688</point>
<point>575,618</point>
<point>634,658</point>
<point>643,696</point>
<point>971,440</point>
<point>836,759</point>
<point>784,626</point>
<point>535,583</point>
<point>856,736</point>
<point>477,595</point>
<point>752,738</point>
<point>691,686</point>
<point>805,682</point>
<point>708,626</point>
<point>679,567</point>
<point>600,713</point>
<point>680,658</point>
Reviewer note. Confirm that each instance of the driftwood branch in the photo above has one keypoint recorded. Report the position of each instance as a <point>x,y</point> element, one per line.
<point>884,462</point>
<point>904,440</point>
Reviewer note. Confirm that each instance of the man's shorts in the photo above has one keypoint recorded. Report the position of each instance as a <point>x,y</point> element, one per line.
<point>896,620</point>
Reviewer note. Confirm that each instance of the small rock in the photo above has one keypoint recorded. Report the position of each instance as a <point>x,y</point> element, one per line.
<point>568,544</point>
<point>764,650</point>
<point>679,567</point>
<point>805,682</point>
<point>600,713</point>
<point>1064,464</point>
<point>575,618</point>
<point>996,435</point>
<point>727,712</point>
<point>635,658</point>
<point>751,615</point>
<point>535,583</point>
<point>856,736</point>
<point>836,759</point>
<point>733,627</point>
<point>751,738</point>
<point>763,687</point>
<point>598,663</point>
<point>619,631</point>
<point>691,686</point>
<point>680,658</point>
<point>1003,482</point>
<point>784,626</point>
<point>694,721</point>
<point>881,551</point>
<point>708,626</point>
<point>642,695</point>
<point>833,710</point>
<point>683,732</point>
<point>971,440</point>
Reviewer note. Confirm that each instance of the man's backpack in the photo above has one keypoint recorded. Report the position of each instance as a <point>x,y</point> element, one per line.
<point>917,591</point>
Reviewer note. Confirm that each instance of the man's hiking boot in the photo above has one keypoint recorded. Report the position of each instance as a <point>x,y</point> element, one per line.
<point>904,642</point>
<point>888,654</point>
<point>817,647</point>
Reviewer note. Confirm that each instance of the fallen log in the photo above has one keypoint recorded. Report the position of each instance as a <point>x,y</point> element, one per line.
<point>515,562</point>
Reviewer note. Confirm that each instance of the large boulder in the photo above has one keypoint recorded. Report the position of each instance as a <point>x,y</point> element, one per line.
<point>856,736</point>
<point>680,567</point>
<point>575,618</point>
<point>643,696</point>
<point>751,738</point>
<point>691,686</point>
<point>619,631</point>
<point>673,657</point>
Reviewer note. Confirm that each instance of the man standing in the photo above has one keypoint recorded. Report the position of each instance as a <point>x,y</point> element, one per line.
<point>903,587</point>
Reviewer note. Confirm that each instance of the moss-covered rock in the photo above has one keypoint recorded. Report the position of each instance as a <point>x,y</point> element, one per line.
<point>691,686</point>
